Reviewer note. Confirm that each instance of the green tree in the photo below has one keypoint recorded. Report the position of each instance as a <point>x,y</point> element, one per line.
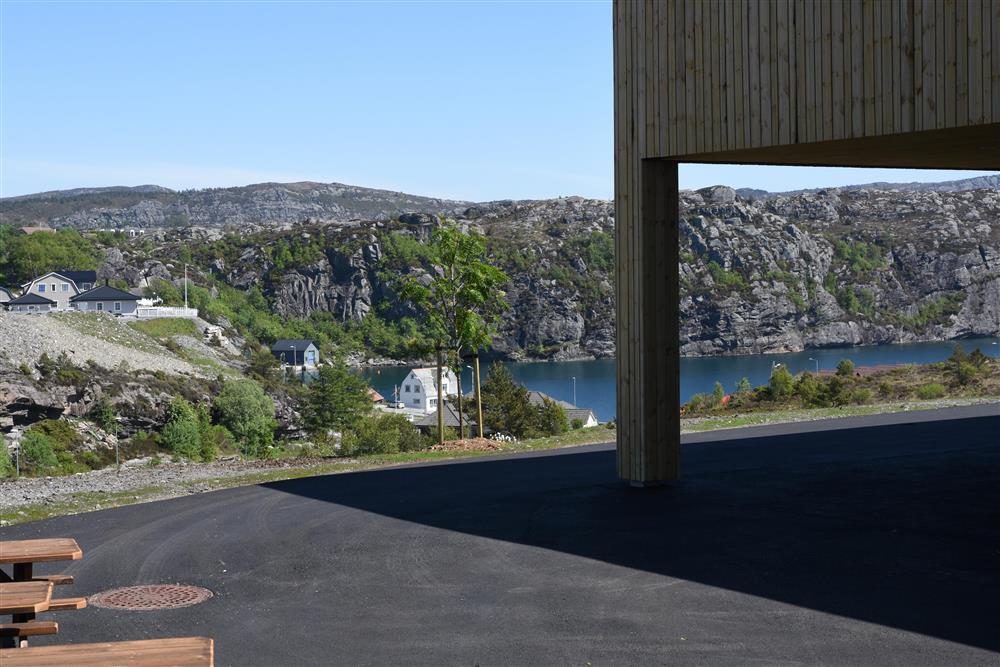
<point>780,384</point>
<point>743,387</point>
<point>248,413</point>
<point>37,454</point>
<point>464,299</point>
<point>551,418</point>
<point>181,433</point>
<point>31,255</point>
<point>845,368</point>
<point>506,406</point>
<point>718,394</point>
<point>380,433</point>
<point>337,399</point>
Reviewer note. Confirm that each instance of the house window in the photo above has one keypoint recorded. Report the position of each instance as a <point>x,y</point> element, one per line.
<point>406,389</point>
<point>53,287</point>
<point>82,305</point>
<point>118,306</point>
<point>86,286</point>
<point>433,402</point>
<point>416,401</point>
<point>41,287</point>
<point>31,307</point>
<point>100,305</point>
<point>65,287</point>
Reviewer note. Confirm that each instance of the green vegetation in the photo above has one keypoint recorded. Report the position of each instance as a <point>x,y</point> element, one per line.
<point>858,255</point>
<point>181,434</point>
<point>165,327</point>
<point>934,311</point>
<point>27,256</point>
<point>729,280</point>
<point>382,434</point>
<point>336,400</point>
<point>248,413</point>
<point>507,408</point>
<point>961,376</point>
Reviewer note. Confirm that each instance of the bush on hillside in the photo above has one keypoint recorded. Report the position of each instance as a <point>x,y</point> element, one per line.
<point>248,413</point>
<point>37,454</point>
<point>930,391</point>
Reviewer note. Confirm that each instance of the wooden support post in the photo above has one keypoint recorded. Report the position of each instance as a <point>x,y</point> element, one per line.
<point>648,330</point>
<point>479,397</point>
<point>440,404</point>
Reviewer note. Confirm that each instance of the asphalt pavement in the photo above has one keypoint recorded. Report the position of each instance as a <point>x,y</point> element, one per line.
<point>870,540</point>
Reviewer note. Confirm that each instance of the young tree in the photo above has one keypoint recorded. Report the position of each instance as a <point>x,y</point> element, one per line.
<point>551,418</point>
<point>463,300</point>
<point>181,434</point>
<point>337,399</point>
<point>780,385</point>
<point>845,368</point>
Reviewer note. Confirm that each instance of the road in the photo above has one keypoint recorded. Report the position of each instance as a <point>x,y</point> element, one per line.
<point>872,540</point>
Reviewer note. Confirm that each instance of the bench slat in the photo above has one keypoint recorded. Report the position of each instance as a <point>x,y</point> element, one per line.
<point>55,579</point>
<point>179,652</point>
<point>28,629</point>
<point>64,604</point>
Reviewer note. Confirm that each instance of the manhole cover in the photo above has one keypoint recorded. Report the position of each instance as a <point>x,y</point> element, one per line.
<point>158,596</point>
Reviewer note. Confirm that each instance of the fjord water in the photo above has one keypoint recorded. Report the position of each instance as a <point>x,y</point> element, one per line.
<point>595,379</point>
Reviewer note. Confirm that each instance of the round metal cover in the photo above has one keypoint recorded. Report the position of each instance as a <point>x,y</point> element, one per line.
<point>156,596</point>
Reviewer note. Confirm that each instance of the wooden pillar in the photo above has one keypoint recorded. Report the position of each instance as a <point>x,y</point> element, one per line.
<point>648,329</point>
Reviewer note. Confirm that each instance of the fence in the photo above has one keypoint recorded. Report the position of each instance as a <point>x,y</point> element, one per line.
<point>150,312</point>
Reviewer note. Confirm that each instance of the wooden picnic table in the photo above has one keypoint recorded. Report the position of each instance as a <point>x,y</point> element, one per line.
<point>23,554</point>
<point>176,652</point>
<point>25,597</point>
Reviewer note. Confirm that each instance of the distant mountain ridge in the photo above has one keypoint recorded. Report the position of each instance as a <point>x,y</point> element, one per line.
<point>153,206</point>
<point>277,204</point>
<point>991,182</point>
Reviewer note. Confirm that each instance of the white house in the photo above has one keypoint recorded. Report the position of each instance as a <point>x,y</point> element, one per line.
<point>30,303</point>
<point>419,388</point>
<point>60,286</point>
<point>586,416</point>
<point>106,299</point>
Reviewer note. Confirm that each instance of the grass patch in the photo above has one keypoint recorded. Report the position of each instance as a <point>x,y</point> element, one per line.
<point>165,327</point>
<point>107,328</point>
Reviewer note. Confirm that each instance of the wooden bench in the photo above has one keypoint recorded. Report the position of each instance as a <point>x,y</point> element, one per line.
<point>28,629</point>
<point>65,604</point>
<point>55,579</point>
<point>178,652</point>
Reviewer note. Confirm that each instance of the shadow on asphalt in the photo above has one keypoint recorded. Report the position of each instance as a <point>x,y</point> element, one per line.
<point>894,525</point>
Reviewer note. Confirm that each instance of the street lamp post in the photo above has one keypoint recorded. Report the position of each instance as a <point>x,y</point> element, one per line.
<point>574,391</point>
<point>817,364</point>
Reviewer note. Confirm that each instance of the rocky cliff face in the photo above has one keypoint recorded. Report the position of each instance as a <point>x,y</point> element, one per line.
<point>785,272</point>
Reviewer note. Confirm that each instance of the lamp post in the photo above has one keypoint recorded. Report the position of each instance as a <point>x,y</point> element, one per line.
<point>185,286</point>
<point>574,391</point>
<point>817,364</point>
<point>295,359</point>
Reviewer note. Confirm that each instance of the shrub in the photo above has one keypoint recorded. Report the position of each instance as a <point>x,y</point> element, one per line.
<point>6,464</point>
<point>932,390</point>
<point>810,390</point>
<point>551,418</point>
<point>576,424</point>
<point>845,368</point>
<point>248,413</point>
<point>37,454</point>
<point>744,387</point>
<point>380,434</point>
<point>60,433</point>
<point>181,434</point>
<point>103,414</point>
<point>861,395</point>
<point>885,389</point>
<point>718,394</point>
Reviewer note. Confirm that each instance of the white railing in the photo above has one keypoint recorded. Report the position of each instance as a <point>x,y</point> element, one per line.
<point>149,312</point>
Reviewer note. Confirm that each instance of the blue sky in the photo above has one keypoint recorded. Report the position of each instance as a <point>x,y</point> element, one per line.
<point>469,100</point>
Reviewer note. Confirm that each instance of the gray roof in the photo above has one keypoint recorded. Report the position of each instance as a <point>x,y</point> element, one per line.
<point>105,293</point>
<point>450,418</point>
<point>80,277</point>
<point>572,411</point>
<point>30,298</point>
<point>286,344</point>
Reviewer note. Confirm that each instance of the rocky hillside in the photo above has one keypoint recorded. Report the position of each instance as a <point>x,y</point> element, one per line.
<point>152,206</point>
<point>834,267</point>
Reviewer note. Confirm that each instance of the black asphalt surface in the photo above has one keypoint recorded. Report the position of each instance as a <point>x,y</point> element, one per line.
<point>862,541</point>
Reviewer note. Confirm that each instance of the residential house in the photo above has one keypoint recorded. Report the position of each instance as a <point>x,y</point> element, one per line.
<point>419,389</point>
<point>106,299</point>
<point>61,286</point>
<point>299,352</point>
<point>428,422</point>
<point>5,295</point>
<point>585,415</point>
<point>30,303</point>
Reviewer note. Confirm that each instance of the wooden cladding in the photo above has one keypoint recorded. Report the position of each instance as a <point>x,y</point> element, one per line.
<point>711,76</point>
<point>904,83</point>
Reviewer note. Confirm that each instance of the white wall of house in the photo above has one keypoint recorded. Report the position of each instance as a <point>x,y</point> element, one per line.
<point>55,288</point>
<point>30,308</point>
<point>418,390</point>
<point>113,307</point>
